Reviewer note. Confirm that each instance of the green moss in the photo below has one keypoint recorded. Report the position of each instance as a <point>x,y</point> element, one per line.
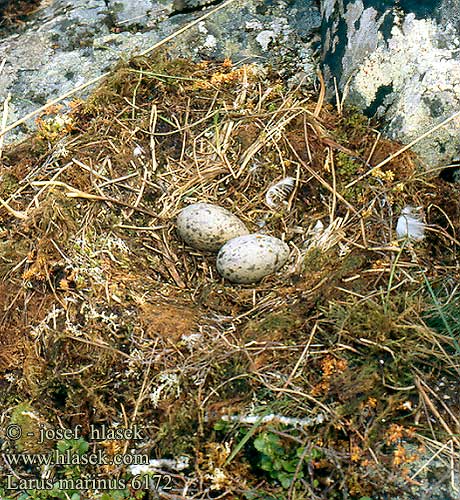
<point>354,193</point>
<point>314,260</point>
<point>354,118</point>
<point>354,123</point>
<point>178,435</point>
<point>280,322</point>
<point>273,325</point>
<point>8,184</point>
<point>27,421</point>
<point>346,167</point>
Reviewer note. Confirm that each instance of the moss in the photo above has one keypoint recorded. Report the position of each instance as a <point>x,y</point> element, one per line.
<point>346,167</point>
<point>8,184</point>
<point>353,123</point>
<point>315,260</point>
<point>178,436</point>
<point>28,422</point>
<point>279,322</point>
<point>273,326</point>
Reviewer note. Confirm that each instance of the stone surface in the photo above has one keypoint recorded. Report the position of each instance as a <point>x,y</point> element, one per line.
<point>68,42</point>
<point>433,475</point>
<point>399,61</point>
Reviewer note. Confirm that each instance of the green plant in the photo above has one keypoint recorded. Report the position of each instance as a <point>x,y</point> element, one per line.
<point>444,317</point>
<point>346,166</point>
<point>283,460</point>
<point>70,474</point>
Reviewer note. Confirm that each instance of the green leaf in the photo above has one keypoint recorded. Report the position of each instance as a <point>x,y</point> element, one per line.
<point>278,464</point>
<point>246,438</point>
<point>315,454</point>
<point>299,451</point>
<point>118,495</point>
<point>260,444</point>
<point>83,446</point>
<point>290,465</point>
<point>62,446</point>
<point>285,479</point>
<point>266,463</point>
<point>220,425</point>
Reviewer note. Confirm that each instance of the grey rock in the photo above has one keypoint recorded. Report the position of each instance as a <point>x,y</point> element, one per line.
<point>434,479</point>
<point>399,61</point>
<point>70,42</point>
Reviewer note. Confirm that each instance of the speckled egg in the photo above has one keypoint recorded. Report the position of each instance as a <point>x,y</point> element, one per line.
<point>249,258</point>
<point>208,227</point>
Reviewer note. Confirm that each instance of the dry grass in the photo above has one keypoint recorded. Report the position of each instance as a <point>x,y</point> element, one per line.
<point>107,317</point>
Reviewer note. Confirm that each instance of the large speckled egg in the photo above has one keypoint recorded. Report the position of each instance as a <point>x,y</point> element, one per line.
<point>208,227</point>
<point>249,258</point>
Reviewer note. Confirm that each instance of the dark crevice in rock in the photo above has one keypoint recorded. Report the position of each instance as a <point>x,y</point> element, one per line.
<point>182,7</point>
<point>422,9</point>
<point>435,105</point>
<point>333,59</point>
<point>382,93</point>
<point>451,173</point>
<point>109,20</point>
<point>387,25</point>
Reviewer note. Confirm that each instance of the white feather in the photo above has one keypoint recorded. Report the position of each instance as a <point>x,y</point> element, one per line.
<point>280,192</point>
<point>410,224</point>
<point>138,151</point>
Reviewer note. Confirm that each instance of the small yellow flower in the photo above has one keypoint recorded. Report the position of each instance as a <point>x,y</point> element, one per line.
<point>367,212</point>
<point>387,176</point>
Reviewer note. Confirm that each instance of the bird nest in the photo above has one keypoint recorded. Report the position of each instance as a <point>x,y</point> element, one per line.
<point>334,378</point>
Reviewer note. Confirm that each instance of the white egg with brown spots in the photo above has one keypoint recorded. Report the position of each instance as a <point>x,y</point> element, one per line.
<point>207,227</point>
<point>248,259</point>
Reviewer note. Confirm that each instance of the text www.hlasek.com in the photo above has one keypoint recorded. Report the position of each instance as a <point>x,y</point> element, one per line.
<point>70,458</point>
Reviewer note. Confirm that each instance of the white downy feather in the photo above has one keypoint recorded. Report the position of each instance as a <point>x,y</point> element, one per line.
<point>280,192</point>
<point>410,224</point>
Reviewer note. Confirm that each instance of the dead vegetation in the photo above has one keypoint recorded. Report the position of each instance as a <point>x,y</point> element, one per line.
<point>107,318</point>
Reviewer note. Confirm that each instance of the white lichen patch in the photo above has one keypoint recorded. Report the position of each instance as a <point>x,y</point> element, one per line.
<point>168,385</point>
<point>253,25</point>
<point>156,464</point>
<point>264,38</point>
<point>278,30</point>
<point>420,64</point>
<point>281,419</point>
<point>47,324</point>
<point>202,28</point>
<point>327,8</point>
<point>411,52</point>
<point>362,41</point>
<point>210,42</point>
